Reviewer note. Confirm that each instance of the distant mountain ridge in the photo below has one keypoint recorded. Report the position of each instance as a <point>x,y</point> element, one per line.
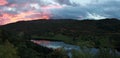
<point>56,26</point>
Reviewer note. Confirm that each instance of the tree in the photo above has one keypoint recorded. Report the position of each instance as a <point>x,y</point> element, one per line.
<point>7,50</point>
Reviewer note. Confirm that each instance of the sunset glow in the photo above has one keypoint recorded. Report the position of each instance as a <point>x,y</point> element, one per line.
<point>24,10</point>
<point>25,16</point>
<point>3,2</point>
<point>14,12</point>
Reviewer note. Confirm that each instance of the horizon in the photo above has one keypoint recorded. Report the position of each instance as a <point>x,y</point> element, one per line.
<point>60,20</point>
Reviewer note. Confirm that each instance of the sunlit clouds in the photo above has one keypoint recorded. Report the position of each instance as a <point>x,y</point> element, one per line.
<point>3,2</point>
<point>24,10</point>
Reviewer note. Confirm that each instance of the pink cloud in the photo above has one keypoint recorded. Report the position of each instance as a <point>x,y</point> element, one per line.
<point>3,2</point>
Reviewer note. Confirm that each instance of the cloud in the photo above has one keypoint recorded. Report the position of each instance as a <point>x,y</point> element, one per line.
<point>106,8</point>
<point>3,2</point>
<point>94,16</point>
<point>25,10</point>
<point>16,10</point>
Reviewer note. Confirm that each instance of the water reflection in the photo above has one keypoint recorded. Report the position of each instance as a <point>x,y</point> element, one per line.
<point>68,47</point>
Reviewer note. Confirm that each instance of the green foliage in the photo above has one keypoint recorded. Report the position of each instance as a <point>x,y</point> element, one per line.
<point>15,38</point>
<point>0,33</point>
<point>7,50</point>
<point>77,54</point>
<point>106,53</point>
<point>58,37</point>
<point>86,43</point>
<point>102,53</point>
<point>58,53</point>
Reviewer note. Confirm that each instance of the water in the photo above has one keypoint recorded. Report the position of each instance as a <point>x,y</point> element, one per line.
<point>67,47</point>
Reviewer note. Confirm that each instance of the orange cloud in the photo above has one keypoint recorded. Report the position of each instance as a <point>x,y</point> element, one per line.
<point>6,18</point>
<point>24,16</point>
<point>3,2</point>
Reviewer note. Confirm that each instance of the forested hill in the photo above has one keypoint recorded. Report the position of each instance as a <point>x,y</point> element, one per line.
<point>110,26</point>
<point>104,35</point>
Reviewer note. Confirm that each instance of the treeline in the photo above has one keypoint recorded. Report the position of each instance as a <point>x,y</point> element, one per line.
<point>73,28</point>
<point>18,45</point>
<point>15,38</point>
<point>81,27</point>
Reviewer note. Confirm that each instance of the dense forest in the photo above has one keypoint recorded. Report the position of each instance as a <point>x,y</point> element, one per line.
<point>102,34</point>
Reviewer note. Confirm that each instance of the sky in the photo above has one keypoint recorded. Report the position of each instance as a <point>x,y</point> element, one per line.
<point>24,10</point>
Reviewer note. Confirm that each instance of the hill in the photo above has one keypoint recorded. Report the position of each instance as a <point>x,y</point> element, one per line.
<point>99,34</point>
<point>109,26</point>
